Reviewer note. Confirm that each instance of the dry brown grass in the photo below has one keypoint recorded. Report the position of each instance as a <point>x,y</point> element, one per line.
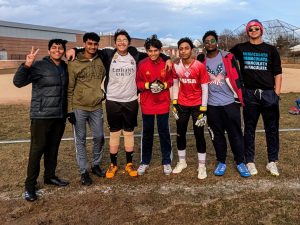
<point>153,198</point>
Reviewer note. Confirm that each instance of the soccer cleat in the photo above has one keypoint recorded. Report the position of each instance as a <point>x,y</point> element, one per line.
<point>272,168</point>
<point>181,165</point>
<point>142,168</point>
<point>131,170</point>
<point>243,170</point>
<point>220,169</point>
<point>167,169</point>
<point>85,179</point>
<point>251,168</point>
<point>202,172</point>
<point>30,195</point>
<point>111,172</point>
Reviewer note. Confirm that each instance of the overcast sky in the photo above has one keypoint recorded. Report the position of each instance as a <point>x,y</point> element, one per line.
<point>167,18</point>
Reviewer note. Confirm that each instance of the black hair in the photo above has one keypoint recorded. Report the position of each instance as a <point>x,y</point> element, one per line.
<point>58,42</point>
<point>152,41</point>
<point>122,32</point>
<point>92,36</point>
<point>187,40</point>
<point>210,33</point>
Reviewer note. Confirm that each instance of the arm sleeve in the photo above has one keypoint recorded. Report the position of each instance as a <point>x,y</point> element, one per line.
<point>204,94</point>
<point>78,49</point>
<point>140,79</point>
<point>175,89</point>
<point>22,77</point>
<point>71,86</point>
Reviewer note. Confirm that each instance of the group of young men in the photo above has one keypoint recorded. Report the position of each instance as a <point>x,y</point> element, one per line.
<point>210,89</point>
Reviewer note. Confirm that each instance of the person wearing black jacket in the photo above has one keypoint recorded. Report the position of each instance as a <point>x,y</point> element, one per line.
<point>48,112</point>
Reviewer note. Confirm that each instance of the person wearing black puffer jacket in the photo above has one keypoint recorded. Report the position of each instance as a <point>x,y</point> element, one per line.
<point>48,110</point>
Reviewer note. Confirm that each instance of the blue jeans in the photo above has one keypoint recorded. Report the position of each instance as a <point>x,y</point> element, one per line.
<point>95,122</point>
<point>164,137</point>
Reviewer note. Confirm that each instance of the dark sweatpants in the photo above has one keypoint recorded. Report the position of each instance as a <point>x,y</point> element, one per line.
<point>46,135</point>
<point>164,138</point>
<point>266,103</point>
<point>226,118</point>
<point>182,124</point>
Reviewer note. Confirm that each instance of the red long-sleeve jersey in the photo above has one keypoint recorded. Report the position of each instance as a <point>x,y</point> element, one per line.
<point>149,71</point>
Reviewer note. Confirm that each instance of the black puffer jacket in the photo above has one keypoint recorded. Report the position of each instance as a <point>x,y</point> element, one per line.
<point>49,88</point>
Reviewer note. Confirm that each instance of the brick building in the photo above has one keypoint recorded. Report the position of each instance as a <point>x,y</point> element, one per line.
<point>16,40</point>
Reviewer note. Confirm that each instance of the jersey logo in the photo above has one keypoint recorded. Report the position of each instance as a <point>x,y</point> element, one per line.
<point>148,74</point>
<point>187,73</point>
<point>163,73</point>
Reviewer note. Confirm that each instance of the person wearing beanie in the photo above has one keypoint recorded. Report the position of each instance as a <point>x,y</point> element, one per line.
<point>261,70</point>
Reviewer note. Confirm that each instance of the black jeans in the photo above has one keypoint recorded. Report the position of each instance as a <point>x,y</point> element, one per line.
<point>46,135</point>
<point>164,137</point>
<point>266,103</point>
<point>182,124</point>
<point>226,118</point>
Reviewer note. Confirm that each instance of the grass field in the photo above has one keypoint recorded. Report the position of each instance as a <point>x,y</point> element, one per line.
<point>153,198</point>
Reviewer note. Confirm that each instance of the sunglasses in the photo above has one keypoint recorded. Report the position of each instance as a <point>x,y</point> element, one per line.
<point>254,29</point>
<point>212,41</point>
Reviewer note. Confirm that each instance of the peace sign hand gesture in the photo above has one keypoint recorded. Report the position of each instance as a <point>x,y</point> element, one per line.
<point>31,57</point>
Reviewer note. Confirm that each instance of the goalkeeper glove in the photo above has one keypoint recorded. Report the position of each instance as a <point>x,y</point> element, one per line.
<point>157,86</point>
<point>201,120</point>
<point>175,109</point>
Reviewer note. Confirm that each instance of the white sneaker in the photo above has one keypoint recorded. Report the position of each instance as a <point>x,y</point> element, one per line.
<point>252,169</point>
<point>181,165</point>
<point>272,168</point>
<point>167,169</point>
<point>202,172</point>
<point>142,168</point>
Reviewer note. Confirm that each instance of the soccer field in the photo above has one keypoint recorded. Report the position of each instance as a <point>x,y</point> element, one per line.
<point>153,198</point>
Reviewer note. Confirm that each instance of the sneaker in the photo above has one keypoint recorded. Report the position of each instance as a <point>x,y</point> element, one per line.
<point>142,168</point>
<point>272,168</point>
<point>98,171</point>
<point>111,172</point>
<point>167,169</point>
<point>30,195</point>
<point>243,170</point>
<point>220,169</point>
<point>85,179</point>
<point>131,170</point>
<point>181,165</point>
<point>251,168</point>
<point>202,172</point>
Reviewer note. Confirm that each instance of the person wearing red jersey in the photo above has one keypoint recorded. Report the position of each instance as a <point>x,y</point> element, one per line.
<point>153,82</point>
<point>190,99</point>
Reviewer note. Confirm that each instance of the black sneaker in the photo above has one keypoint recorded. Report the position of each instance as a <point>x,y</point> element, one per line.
<point>98,171</point>
<point>30,195</point>
<point>56,181</point>
<point>85,179</point>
